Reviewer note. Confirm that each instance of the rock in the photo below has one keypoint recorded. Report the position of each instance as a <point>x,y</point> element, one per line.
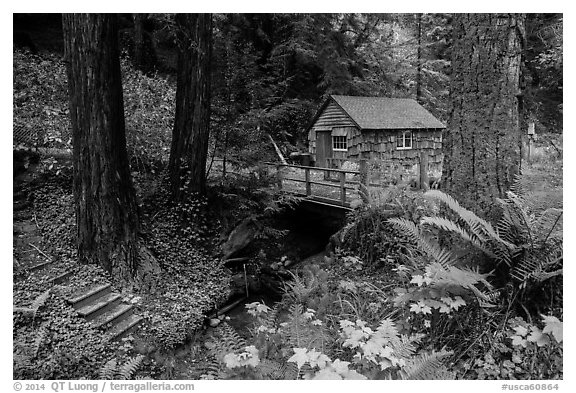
<point>241,237</point>
<point>213,322</point>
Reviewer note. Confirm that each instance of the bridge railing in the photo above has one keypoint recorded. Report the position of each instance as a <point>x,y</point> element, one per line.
<point>337,186</point>
<point>326,185</point>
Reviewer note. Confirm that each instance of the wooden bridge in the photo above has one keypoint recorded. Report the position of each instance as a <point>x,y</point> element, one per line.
<point>338,187</point>
<point>335,187</point>
<point>328,186</point>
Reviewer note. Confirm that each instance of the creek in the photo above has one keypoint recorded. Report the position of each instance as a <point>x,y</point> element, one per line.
<point>307,234</point>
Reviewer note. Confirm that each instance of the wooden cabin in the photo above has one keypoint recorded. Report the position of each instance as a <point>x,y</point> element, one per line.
<point>374,128</point>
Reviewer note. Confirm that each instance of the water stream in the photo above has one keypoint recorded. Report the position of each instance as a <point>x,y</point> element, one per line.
<point>306,240</point>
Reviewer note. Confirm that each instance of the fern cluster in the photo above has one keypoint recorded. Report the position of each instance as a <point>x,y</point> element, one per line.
<point>26,352</point>
<point>225,341</point>
<point>536,233</point>
<point>502,267</point>
<point>112,369</point>
<point>289,341</point>
<point>426,366</point>
<point>526,242</point>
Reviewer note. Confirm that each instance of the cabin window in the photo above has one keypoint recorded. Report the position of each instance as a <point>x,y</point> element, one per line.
<point>339,143</point>
<point>404,140</point>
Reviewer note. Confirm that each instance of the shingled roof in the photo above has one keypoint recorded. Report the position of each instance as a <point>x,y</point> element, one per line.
<point>379,113</point>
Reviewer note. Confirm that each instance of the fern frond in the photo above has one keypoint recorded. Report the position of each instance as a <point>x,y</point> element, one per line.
<point>40,336</point>
<point>31,311</point>
<point>408,228</point>
<point>537,263</point>
<point>226,341</point>
<point>129,368</point>
<point>520,216</point>
<point>299,289</point>
<point>270,319</point>
<point>451,226</point>
<point>271,369</point>
<point>547,224</point>
<point>519,186</point>
<point>481,228</point>
<point>300,334</point>
<point>426,366</point>
<point>291,371</point>
<point>294,328</point>
<point>108,370</point>
<point>454,278</point>
<point>40,300</point>
<point>212,369</point>
<point>404,346</point>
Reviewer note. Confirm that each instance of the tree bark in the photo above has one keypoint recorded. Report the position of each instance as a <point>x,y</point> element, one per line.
<point>189,149</point>
<point>105,201</point>
<point>139,60</point>
<point>482,143</point>
<point>419,60</point>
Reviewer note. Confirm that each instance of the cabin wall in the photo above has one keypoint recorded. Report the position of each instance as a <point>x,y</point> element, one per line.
<point>381,144</point>
<point>332,116</point>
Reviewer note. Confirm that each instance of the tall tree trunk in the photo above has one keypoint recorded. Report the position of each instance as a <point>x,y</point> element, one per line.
<point>419,60</point>
<point>189,150</point>
<point>139,60</point>
<point>106,209</point>
<point>482,143</point>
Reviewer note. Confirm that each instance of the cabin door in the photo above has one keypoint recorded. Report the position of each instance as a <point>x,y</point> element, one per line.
<point>323,148</point>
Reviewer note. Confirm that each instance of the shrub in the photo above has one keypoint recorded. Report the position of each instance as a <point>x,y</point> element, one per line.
<point>41,105</point>
<point>522,351</point>
<point>370,235</point>
<point>149,108</point>
<point>41,98</point>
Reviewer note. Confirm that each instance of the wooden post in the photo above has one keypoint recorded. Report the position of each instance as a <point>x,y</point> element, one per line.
<point>364,181</point>
<point>279,176</point>
<point>308,185</point>
<point>363,172</point>
<point>328,165</point>
<point>342,187</point>
<point>423,178</point>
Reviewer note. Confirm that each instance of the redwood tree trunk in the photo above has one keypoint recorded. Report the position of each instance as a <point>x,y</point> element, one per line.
<point>419,60</point>
<point>189,150</point>
<point>139,41</point>
<point>482,143</point>
<point>106,209</point>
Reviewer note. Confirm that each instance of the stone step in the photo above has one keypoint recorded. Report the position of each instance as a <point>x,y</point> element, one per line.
<point>125,327</point>
<point>99,306</point>
<point>62,277</point>
<point>39,266</point>
<point>91,295</point>
<point>114,316</point>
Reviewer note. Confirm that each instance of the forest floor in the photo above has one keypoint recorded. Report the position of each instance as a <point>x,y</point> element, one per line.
<point>194,283</point>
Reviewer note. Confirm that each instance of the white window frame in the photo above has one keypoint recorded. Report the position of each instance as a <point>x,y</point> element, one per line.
<point>342,140</point>
<point>403,137</point>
